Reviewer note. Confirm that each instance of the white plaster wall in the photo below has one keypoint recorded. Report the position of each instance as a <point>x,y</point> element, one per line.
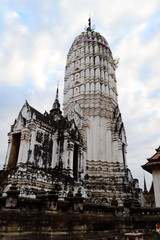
<point>89,144</point>
<point>115,151</point>
<point>32,143</point>
<point>156,182</point>
<point>120,155</point>
<point>99,143</point>
<point>97,93</point>
<point>24,147</point>
<point>108,145</point>
<point>103,140</point>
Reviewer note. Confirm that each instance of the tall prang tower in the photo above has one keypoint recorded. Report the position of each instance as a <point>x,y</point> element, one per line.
<point>90,98</point>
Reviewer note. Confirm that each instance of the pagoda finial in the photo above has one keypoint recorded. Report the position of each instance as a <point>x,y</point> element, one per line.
<point>56,105</point>
<point>89,28</point>
<point>57,91</point>
<point>89,22</point>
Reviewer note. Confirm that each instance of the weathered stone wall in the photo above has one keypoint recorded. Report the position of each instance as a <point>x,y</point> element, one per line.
<point>46,218</point>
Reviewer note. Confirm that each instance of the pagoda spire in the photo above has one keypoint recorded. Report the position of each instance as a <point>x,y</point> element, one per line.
<point>57,94</point>
<point>89,23</point>
<point>56,105</point>
<point>145,185</point>
<point>90,27</point>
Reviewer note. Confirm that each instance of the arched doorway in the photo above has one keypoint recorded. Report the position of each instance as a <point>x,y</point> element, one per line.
<point>13,157</point>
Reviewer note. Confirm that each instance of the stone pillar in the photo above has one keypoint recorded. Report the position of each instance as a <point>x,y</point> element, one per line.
<point>40,194</point>
<point>8,151</point>
<point>50,200</point>
<point>76,202</point>
<point>23,150</point>
<point>71,149</point>
<point>54,152</point>
<point>65,150</point>
<point>32,126</point>
<point>12,196</point>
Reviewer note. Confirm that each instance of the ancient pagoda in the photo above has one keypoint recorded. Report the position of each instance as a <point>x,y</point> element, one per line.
<point>90,98</point>
<point>84,148</point>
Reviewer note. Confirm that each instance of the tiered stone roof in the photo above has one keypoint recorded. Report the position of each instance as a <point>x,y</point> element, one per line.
<point>153,162</point>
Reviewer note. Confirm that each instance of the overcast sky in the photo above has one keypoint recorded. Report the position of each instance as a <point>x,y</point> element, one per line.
<point>35,36</point>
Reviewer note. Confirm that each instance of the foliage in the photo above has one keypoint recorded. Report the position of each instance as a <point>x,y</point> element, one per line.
<point>116,62</point>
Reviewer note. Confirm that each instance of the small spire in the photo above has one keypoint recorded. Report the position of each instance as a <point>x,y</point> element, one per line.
<point>56,105</point>
<point>56,102</point>
<point>89,28</point>
<point>57,94</point>
<point>145,186</point>
<point>89,22</point>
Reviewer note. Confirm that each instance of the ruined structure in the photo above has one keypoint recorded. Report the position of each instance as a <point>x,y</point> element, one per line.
<point>42,151</point>
<point>84,148</point>
<point>48,218</point>
<point>66,176</point>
